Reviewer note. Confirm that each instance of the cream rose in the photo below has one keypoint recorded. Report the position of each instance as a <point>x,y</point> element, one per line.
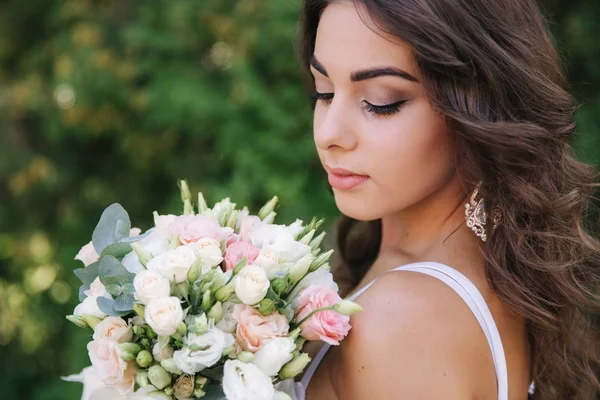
<point>184,386</point>
<point>244,381</point>
<point>251,284</point>
<point>254,329</point>
<point>113,328</point>
<point>269,261</point>
<point>150,284</point>
<point>208,250</point>
<point>164,314</point>
<point>202,351</point>
<point>274,354</point>
<point>109,365</point>
<point>174,264</point>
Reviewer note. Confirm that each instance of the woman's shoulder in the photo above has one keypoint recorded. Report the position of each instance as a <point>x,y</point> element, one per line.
<point>415,333</point>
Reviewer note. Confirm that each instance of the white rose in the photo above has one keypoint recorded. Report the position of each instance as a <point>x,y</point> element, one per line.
<point>248,225</point>
<point>164,314</point>
<point>87,255</point>
<point>162,222</point>
<point>132,263</point>
<point>174,264</point>
<point>269,261</point>
<point>156,243</point>
<point>202,351</point>
<point>245,381</point>
<point>89,306</point>
<point>91,381</point>
<point>113,328</point>
<point>274,354</point>
<point>279,238</point>
<point>209,252</point>
<point>320,277</point>
<point>228,323</point>
<point>251,284</point>
<point>160,354</point>
<point>150,285</point>
<point>296,227</point>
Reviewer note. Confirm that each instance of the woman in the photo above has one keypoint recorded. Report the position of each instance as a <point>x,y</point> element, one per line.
<point>444,127</point>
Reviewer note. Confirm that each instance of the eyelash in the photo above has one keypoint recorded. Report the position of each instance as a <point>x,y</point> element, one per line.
<point>386,110</point>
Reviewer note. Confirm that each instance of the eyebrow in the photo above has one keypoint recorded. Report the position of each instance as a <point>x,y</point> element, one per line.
<point>365,74</point>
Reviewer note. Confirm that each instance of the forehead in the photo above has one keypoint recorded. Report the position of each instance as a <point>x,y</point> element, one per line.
<point>347,40</point>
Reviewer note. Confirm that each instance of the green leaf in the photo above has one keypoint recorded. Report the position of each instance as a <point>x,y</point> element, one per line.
<point>117,250</point>
<point>128,288</point>
<point>215,373</point>
<point>113,226</point>
<point>88,274</point>
<point>124,302</point>
<point>111,271</point>
<point>214,390</point>
<point>106,305</point>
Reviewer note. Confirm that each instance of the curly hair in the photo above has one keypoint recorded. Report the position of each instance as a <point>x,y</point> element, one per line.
<point>490,67</point>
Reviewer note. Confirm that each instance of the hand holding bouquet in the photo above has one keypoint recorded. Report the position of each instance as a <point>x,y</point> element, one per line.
<point>212,304</point>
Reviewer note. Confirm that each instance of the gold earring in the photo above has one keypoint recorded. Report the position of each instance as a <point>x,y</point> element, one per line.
<point>476,215</point>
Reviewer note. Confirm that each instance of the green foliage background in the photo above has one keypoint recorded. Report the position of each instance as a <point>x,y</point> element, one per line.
<point>113,101</point>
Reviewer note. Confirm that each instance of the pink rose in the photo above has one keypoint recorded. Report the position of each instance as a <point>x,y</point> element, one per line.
<point>328,326</point>
<point>191,228</point>
<point>87,255</point>
<point>254,329</point>
<point>110,367</point>
<point>237,251</point>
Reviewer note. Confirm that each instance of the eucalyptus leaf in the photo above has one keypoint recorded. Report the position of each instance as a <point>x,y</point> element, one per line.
<point>114,289</point>
<point>82,289</point>
<point>106,305</point>
<point>134,239</point>
<point>124,302</point>
<point>88,274</point>
<point>216,373</point>
<point>117,250</point>
<point>111,271</point>
<point>113,226</point>
<point>128,288</point>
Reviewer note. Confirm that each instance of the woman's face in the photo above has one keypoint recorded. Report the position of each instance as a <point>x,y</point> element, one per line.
<point>373,119</point>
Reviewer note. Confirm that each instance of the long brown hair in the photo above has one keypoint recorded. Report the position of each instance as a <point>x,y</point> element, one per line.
<point>490,67</point>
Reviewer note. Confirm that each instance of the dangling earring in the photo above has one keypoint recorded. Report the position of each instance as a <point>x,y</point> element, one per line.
<point>476,215</point>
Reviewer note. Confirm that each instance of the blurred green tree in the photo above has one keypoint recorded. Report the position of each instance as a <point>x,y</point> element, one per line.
<point>112,101</point>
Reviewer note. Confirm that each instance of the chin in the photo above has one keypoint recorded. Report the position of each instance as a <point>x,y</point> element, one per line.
<point>356,206</point>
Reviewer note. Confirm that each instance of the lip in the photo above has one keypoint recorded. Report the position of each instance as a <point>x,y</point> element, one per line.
<point>343,179</point>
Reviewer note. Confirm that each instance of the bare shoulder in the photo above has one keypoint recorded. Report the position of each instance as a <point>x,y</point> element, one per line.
<point>415,338</point>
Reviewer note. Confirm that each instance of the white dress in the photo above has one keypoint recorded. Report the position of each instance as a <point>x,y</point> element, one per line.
<point>466,290</point>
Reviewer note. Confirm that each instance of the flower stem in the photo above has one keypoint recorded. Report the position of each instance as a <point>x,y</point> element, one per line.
<point>313,312</point>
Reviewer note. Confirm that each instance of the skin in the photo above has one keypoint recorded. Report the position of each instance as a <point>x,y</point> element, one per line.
<point>416,338</point>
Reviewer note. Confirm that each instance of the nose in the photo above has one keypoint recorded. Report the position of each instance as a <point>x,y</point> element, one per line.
<point>333,126</point>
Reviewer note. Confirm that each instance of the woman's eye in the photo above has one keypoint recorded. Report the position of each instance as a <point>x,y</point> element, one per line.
<point>385,110</point>
<point>326,97</point>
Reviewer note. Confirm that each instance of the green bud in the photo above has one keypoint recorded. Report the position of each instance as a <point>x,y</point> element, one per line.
<point>347,307</point>
<point>168,390</point>
<point>181,328</point>
<point>216,312</point>
<point>300,269</point>
<point>245,356</point>
<point>197,324</point>
<point>159,377</point>
<point>268,208</point>
<point>77,320</point>
<point>308,237</point>
<point>195,271</point>
<point>202,206</point>
<point>145,342</point>
<point>279,285</point>
<point>150,333</point>
<point>169,365</point>
<point>139,309</point>
<point>295,333</point>
<point>238,267</point>
<point>269,219</point>
<point>299,344</point>
<point>319,261</point>
<point>316,242</point>
<point>206,300</point>
<point>266,307</point>
<point>144,358</point>
<point>199,393</point>
<point>139,330</point>
<point>188,208</point>
<point>201,381</point>
<point>294,367</point>
<point>141,378</point>
<point>174,242</point>
<point>91,320</point>
<point>143,255</point>
<point>185,191</point>
<point>228,351</point>
<point>225,292</point>
<point>129,351</point>
<point>232,221</point>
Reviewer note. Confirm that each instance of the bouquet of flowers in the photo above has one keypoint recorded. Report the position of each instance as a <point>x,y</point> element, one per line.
<point>212,304</point>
